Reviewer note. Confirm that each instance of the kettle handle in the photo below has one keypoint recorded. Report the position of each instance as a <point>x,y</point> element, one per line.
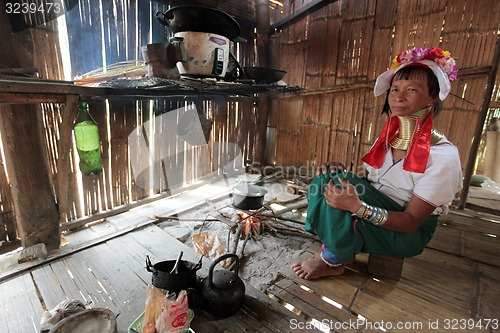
<point>225,256</point>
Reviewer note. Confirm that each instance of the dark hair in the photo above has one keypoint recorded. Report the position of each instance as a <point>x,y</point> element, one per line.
<point>408,72</point>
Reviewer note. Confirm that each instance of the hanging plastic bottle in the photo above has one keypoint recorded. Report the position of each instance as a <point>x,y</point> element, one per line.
<point>87,140</point>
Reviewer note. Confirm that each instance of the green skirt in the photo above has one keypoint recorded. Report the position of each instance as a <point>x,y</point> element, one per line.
<point>346,236</point>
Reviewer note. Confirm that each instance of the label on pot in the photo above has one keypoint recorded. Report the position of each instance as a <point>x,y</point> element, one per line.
<point>217,40</point>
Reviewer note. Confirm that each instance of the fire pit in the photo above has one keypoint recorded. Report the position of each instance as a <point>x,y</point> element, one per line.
<point>252,226</point>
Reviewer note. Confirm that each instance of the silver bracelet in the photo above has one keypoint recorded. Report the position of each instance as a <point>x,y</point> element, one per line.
<point>374,215</point>
<point>361,211</point>
<point>381,217</point>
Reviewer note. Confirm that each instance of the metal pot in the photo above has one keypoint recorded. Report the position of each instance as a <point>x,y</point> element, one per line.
<point>183,280</point>
<point>200,19</point>
<point>223,291</point>
<point>248,196</point>
<point>207,54</point>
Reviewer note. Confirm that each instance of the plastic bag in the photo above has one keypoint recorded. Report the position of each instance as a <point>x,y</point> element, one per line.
<point>208,244</point>
<point>64,309</point>
<point>174,314</point>
<point>154,301</point>
<point>491,186</point>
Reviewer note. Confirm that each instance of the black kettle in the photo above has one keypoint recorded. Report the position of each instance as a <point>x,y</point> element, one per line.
<point>223,291</point>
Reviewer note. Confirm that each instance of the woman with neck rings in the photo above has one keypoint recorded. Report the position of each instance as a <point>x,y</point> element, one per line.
<point>410,175</point>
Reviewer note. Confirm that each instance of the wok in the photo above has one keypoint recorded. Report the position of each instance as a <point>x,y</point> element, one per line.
<point>264,75</point>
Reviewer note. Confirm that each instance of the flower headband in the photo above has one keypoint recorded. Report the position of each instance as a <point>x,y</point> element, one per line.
<point>440,62</point>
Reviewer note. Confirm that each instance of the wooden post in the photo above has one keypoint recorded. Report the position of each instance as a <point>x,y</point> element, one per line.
<point>63,162</point>
<point>479,126</point>
<point>25,153</point>
<point>36,211</point>
<point>263,101</point>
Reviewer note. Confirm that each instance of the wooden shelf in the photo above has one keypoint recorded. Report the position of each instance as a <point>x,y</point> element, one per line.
<point>46,91</point>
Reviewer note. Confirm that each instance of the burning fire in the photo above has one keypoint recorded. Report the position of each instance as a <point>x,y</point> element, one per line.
<point>251,225</point>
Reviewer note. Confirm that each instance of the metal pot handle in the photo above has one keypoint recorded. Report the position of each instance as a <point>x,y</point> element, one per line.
<point>161,18</point>
<point>149,266</point>
<point>225,256</point>
<point>198,265</point>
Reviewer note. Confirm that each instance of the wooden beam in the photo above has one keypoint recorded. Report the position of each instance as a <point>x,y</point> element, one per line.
<point>17,71</point>
<point>41,86</point>
<point>25,98</point>
<point>495,104</point>
<point>465,73</point>
<point>299,14</point>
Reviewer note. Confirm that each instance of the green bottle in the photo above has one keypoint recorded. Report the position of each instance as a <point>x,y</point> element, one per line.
<point>87,140</point>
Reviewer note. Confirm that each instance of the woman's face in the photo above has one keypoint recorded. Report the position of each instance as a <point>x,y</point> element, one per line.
<point>408,96</point>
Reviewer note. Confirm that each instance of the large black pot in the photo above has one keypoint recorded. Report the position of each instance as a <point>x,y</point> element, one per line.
<point>200,19</point>
<point>248,196</point>
<point>183,280</point>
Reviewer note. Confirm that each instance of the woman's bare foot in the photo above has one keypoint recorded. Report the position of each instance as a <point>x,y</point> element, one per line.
<point>315,268</point>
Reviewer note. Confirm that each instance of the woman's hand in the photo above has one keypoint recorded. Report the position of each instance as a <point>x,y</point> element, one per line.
<point>332,165</point>
<point>346,198</point>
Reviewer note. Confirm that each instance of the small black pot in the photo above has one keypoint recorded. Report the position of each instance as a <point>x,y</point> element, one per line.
<point>248,196</point>
<point>183,280</point>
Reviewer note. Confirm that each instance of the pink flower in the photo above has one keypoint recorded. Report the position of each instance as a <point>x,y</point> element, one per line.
<point>418,53</point>
<point>442,58</point>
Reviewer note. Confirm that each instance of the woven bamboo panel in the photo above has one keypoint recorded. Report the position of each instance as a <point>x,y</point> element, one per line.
<point>358,41</point>
<point>315,47</point>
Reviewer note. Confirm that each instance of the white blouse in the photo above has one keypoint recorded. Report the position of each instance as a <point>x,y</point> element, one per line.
<point>438,185</point>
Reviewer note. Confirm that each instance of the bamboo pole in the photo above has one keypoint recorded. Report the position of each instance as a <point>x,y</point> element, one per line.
<point>263,102</point>
<point>480,123</point>
<point>63,162</point>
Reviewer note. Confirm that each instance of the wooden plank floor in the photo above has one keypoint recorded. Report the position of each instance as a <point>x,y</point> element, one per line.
<point>452,285</point>
<point>112,275</point>
<point>105,267</point>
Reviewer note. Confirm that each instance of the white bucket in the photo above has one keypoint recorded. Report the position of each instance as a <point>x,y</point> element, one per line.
<point>207,54</point>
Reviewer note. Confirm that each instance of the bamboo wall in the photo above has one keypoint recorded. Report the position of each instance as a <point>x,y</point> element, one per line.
<point>120,122</point>
<point>337,52</point>
<point>100,36</point>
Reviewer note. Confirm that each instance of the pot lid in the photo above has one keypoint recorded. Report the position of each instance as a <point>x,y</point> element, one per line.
<point>249,190</point>
<point>200,19</point>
